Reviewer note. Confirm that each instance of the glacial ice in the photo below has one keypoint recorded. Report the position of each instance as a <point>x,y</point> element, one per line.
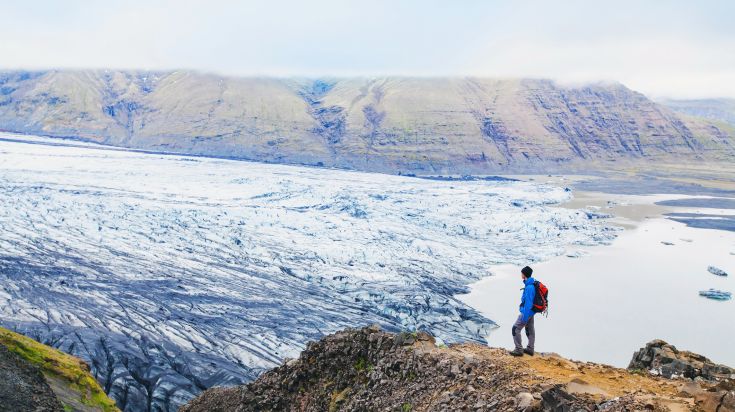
<point>171,274</point>
<point>716,271</point>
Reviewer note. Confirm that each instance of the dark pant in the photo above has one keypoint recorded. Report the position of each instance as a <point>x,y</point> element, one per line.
<point>530,332</point>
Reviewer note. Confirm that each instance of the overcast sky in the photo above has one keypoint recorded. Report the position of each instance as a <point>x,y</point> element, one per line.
<point>662,48</point>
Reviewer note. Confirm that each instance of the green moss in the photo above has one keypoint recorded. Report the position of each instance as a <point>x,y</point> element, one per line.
<point>406,407</point>
<point>362,364</point>
<point>58,364</point>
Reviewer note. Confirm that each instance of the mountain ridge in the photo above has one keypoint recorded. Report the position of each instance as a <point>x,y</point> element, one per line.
<point>367,369</point>
<point>385,124</point>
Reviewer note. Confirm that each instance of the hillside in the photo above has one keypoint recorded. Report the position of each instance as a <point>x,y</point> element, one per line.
<point>36,377</point>
<point>366,369</point>
<point>395,125</point>
<point>719,110</point>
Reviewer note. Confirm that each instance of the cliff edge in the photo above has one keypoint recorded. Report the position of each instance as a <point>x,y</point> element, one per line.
<point>368,369</point>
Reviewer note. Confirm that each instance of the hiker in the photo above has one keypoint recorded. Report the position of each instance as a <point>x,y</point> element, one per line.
<point>525,319</point>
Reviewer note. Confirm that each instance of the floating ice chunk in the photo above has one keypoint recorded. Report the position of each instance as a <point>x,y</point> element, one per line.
<point>715,294</point>
<point>593,214</point>
<point>716,271</point>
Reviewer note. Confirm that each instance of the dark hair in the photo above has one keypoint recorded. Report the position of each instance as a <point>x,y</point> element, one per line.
<point>527,271</point>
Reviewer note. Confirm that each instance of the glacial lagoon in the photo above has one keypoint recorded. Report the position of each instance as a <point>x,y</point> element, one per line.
<point>608,301</point>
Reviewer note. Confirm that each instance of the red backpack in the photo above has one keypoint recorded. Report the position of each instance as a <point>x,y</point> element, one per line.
<point>540,298</point>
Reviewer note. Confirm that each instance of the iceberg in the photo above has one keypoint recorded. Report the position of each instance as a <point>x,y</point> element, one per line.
<point>715,294</point>
<point>716,271</point>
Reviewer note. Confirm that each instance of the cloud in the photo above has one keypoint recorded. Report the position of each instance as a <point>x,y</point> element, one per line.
<point>663,48</point>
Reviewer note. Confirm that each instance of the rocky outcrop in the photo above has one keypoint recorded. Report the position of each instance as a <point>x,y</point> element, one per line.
<point>664,359</point>
<point>395,125</point>
<point>370,370</point>
<point>367,369</point>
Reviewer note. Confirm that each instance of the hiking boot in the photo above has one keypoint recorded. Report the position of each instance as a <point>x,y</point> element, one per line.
<point>516,352</point>
<point>528,351</point>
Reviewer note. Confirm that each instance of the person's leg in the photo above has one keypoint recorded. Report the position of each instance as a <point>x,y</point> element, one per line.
<point>531,334</point>
<point>517,327</point>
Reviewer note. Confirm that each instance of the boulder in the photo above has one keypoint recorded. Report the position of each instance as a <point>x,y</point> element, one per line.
<point>524,400</point>
<point>661,358</point>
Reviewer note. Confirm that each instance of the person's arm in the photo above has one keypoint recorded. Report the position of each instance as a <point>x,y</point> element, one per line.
<point>526,310</point>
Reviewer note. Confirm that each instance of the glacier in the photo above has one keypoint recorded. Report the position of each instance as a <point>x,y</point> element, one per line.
<point>171,274</point>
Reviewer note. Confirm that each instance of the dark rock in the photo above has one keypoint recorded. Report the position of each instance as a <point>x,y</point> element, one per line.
<point>663,359</point>
<point>23,386</point>
<point>557,399</point>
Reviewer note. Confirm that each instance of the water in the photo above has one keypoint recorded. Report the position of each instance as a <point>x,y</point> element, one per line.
<point>612,300</point>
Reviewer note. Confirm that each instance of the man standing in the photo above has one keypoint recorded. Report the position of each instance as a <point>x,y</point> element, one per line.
<point>525,319</point>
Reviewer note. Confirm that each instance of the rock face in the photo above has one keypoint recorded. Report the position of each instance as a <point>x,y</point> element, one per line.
<point>661,358</point>
<point>367,369</point>
<point>395,125</point>
<point>23,387</point>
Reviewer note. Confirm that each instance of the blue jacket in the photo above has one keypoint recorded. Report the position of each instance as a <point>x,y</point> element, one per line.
<point>529,292</point>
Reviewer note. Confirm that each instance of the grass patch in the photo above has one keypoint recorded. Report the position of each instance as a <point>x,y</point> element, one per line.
<point>406,407</point>
<point>363,365</point>
<point>58,364</point>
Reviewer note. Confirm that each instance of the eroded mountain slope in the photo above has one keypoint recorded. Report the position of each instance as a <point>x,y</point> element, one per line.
<point>393,124</point>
